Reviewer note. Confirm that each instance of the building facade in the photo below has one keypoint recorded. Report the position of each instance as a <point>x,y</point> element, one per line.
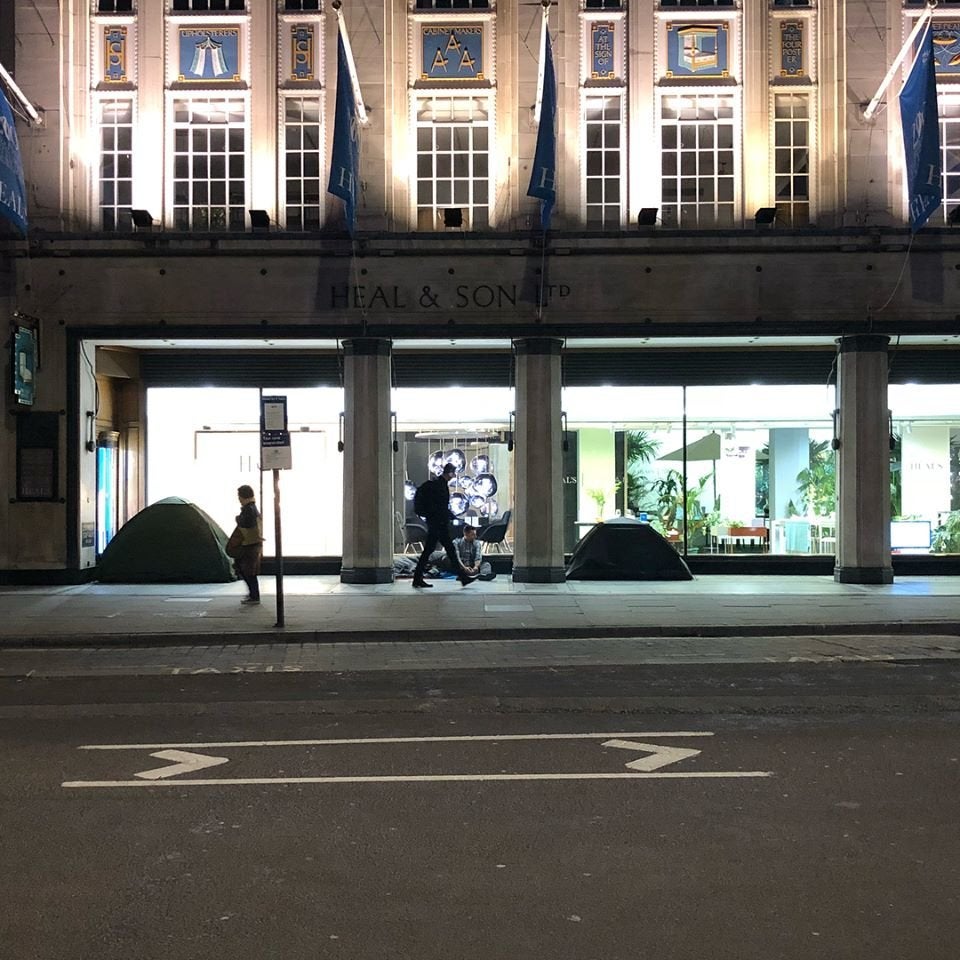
<point>728,330</point>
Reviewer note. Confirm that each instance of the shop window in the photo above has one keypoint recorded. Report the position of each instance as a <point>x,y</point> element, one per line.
<point>453,4</point>
<point>698,160</point>
<point>602,161</point>
<point>949,155</point>
<point>925,468</point>
<point>791,130</point>
<point>116,164</point>
<point>38,440</point>
<point>696,3</point>
<point>209,6</point>
<point>302,157</point>
<point>453,162</point>
<point>209,158</point>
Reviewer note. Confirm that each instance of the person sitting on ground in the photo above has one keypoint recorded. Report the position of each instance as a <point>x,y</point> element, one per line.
<point>468,550</point>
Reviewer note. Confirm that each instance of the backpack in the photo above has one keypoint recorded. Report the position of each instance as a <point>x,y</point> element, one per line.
<point>421,500</point>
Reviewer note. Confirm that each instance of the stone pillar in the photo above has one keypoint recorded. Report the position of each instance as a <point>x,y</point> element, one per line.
<point>863,464</point>
<point>538,464</point>
<point>367,463</point>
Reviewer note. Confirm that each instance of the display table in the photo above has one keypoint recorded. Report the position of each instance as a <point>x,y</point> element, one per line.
<point>731,539</point>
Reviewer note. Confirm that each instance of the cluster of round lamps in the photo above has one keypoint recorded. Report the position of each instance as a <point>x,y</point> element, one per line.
<point>471,493</point>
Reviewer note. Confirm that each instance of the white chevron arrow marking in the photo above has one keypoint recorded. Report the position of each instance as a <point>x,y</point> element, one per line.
<point>183,762</point>
<point>659,756</point>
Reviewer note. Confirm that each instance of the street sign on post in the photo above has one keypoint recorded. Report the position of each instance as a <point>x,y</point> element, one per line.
<point>275,456</point>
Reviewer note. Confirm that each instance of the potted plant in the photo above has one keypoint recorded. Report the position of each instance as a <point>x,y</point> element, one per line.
<point>599,497</point>
<point>946,539</point>
<point>673,505</point>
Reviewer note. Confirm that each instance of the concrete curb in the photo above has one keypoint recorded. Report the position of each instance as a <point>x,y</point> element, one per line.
<point>296,635</point>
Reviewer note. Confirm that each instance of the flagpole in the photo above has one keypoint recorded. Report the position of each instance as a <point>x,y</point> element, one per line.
<point>537,113</point>
<point>544,24</point>
<point>351,66</point>
<point>922,21</point>
<point>20,95</point>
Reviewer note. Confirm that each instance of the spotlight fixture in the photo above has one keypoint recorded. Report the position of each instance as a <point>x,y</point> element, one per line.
<point>647,217</point>
<point>259,220</point>
<point>765,216</point>
<point>453,217</point>
<point>142,219</point>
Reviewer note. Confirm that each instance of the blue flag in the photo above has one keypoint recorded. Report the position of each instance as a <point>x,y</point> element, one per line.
<point>543,177</point>
<point>13,194</point>
<point>345,159</point>
<point>921,134</point>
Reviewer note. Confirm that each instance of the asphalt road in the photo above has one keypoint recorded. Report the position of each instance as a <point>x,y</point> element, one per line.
<point>589,834</point>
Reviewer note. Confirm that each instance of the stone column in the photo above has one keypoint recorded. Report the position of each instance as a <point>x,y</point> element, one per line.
<point>367,463</point>
<point>538,464</point>
<point>863,463</point>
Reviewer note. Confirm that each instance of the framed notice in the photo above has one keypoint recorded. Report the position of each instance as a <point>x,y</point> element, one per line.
<point>24,358</point>
<point>38,439</point>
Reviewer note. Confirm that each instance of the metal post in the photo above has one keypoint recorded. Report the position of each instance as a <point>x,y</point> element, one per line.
<point>279,546</point>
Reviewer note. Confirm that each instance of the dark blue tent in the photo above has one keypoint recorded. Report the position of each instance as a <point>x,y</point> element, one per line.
<point>626,549</point>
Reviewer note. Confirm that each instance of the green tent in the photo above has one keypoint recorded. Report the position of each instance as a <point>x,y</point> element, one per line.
<point>171,541</point>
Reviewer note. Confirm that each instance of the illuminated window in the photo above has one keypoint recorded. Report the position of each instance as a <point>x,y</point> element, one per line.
<point>453,160</point>
<point>302,151</point>
<point>602,161</point>
<point>949,154</point>
<point>116,163</point>
<point>696,3</point>
<point>791,134</point>
<point>209,6</point>
<point>453,4</point>
<point>209,164</point>
<point>698,160</point>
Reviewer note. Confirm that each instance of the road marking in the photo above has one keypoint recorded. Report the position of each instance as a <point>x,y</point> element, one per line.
<point>220,744</point>
<point>425,778</point>
<point>183,763</point>
<point>659,756</point>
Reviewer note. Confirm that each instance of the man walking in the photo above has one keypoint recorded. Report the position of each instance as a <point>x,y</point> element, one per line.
<point>432,502</point>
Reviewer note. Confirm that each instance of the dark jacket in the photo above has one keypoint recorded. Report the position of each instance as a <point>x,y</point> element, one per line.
<point>434,502</point>
<point>251,527</point>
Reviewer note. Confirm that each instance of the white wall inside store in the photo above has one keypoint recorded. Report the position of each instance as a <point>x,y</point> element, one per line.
<point>737,477</point>
<point>925,465</point>
<point>203,442</point>
<point>597,472</point>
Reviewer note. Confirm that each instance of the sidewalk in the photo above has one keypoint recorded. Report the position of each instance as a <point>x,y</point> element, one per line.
<point>322,610</point>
